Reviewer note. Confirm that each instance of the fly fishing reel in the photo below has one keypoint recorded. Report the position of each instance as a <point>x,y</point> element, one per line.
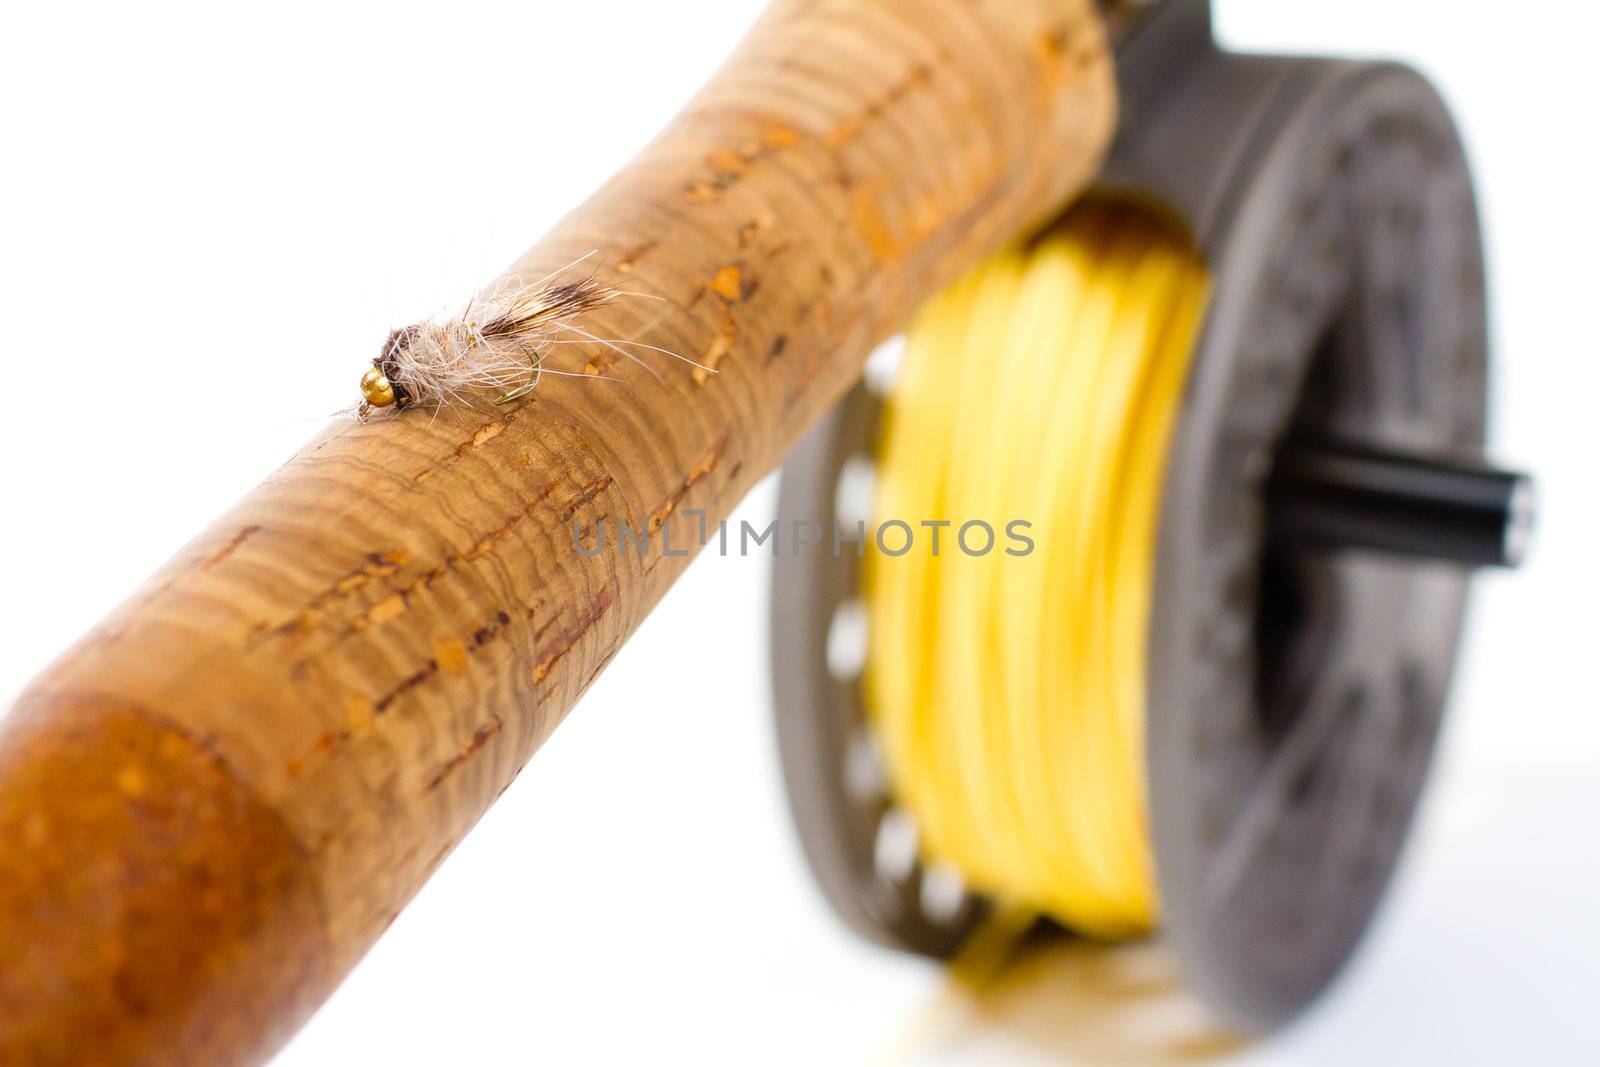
<point>1324,497</point>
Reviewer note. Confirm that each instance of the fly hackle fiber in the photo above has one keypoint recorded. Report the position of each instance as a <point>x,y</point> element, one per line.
<point>497,346</point>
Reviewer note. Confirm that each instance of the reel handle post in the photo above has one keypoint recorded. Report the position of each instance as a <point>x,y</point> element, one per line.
<point>1341,497</point>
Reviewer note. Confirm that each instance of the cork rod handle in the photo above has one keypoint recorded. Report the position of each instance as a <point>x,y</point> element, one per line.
<point>218,799</point>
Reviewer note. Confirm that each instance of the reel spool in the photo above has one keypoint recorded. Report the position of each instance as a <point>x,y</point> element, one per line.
<point>1323,498</point>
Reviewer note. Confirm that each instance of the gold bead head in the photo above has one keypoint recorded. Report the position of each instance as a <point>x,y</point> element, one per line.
<point>378,390</point>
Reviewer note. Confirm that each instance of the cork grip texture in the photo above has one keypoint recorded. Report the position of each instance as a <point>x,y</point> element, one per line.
<point>214,804</point>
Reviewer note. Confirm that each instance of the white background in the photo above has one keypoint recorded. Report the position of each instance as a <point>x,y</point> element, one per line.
<point>211,216</point>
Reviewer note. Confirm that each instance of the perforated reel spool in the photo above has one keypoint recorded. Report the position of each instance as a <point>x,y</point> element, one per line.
<point>1294,692</point>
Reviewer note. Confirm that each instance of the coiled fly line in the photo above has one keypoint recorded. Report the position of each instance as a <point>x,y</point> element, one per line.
<point>1007,693</point>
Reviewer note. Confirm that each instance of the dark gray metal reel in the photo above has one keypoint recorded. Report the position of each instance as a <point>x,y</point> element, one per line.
<point>836,789</point>
<point>1295,692</point>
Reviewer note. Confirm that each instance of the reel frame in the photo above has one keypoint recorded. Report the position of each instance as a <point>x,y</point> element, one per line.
<point>1295,687</point>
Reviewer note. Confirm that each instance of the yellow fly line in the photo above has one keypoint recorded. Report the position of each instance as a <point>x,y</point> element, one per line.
<point>1007,691</point>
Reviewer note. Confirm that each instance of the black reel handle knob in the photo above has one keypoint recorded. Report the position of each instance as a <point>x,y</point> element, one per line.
<point>1346,497</point>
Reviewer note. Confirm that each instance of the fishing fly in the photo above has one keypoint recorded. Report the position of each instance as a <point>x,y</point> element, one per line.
<point>500,342</point>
